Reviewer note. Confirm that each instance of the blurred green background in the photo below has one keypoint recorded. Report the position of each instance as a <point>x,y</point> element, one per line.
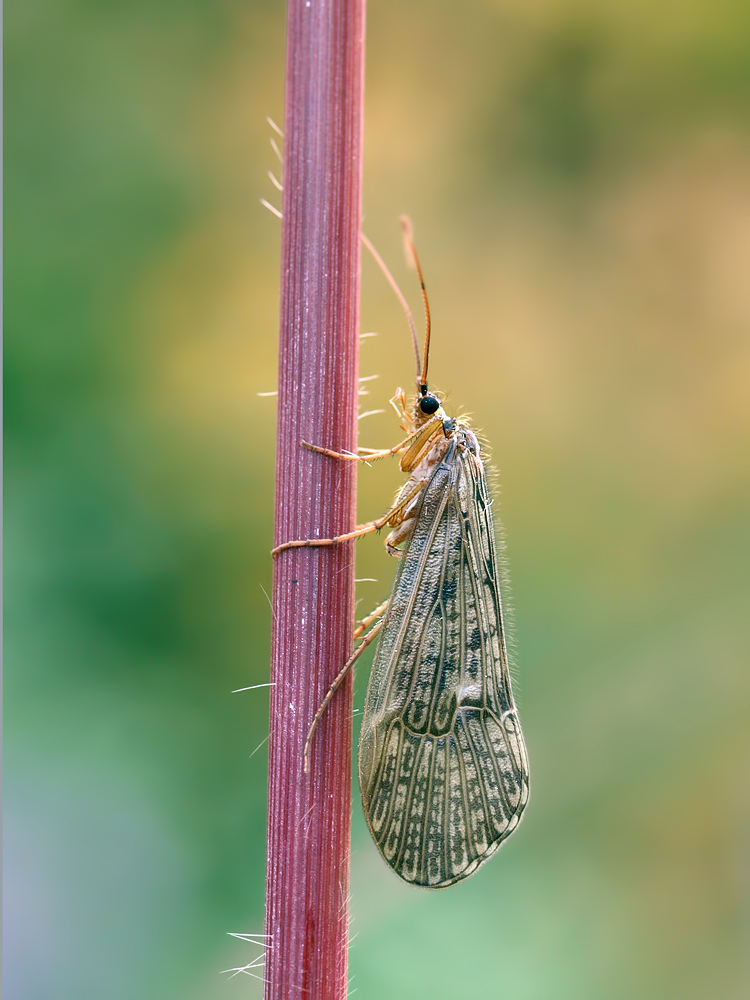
<point>579,178</point>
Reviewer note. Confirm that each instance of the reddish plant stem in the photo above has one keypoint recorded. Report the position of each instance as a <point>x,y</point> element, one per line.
<point>313,589</point>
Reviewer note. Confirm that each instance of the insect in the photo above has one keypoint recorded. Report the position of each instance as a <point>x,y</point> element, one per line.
<point>442,764</point>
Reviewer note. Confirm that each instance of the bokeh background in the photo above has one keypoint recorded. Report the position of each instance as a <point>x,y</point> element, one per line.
<point>579,178</point>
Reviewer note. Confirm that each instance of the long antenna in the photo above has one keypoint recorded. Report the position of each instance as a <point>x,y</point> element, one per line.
<point>409,241</point>
<point>404,304</point>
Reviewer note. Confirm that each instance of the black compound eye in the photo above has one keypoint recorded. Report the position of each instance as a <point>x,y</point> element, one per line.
<point>429,404</point>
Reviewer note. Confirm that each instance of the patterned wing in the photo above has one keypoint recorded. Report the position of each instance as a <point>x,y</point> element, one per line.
<point>442,763</point>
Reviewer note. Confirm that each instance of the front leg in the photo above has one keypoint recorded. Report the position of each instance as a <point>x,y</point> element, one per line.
<point>363,454</point>
<point>398,402</point>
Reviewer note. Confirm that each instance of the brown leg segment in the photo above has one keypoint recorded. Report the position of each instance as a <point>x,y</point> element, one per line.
<point>361,529</point>
<point>367,622</point>
<point>398,402</point>
<point>335,686</point>
<point>369,454</point>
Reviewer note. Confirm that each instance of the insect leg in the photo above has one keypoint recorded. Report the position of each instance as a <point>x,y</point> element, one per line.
<point>361,529</point>
<point>367,622</point>
<point>415,446</point>
<point>335,686</point>
<point>398,402</point>
<point>369,454</point>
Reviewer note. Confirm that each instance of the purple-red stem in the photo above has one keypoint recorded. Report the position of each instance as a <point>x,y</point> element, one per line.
<point>307,889</point>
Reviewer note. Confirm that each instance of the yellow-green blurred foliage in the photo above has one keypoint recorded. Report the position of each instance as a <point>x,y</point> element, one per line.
<point>579,178</point>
